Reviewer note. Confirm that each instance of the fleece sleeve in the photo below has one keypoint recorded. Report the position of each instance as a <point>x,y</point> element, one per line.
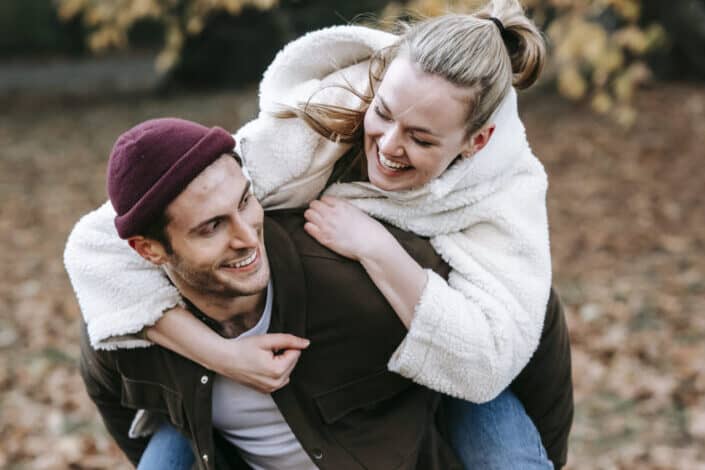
<point>119,293</point>
<point>472,334</point>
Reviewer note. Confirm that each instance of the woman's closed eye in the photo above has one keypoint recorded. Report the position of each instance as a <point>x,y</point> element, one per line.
<point>421,142</point>
<point>381,114</point>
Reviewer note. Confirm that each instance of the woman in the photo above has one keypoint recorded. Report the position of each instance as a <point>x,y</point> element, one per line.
<point>445,157</point>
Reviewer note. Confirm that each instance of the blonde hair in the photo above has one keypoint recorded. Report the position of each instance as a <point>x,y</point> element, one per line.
<point>471,51</point>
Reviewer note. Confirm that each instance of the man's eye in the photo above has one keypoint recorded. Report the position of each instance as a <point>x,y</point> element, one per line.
<point>210,227</point>
<point>379,113</point>
<point>245,201</point>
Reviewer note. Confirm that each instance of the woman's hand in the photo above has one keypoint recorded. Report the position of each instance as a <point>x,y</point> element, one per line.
<point>345,229</point>
<point>262,362</point>
<point>348,231</point>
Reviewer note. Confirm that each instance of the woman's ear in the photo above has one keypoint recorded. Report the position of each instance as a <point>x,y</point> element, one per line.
<point>478,141</point>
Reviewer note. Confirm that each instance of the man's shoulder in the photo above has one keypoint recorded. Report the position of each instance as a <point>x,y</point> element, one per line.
<point>287,225</point>
<point>291,222</point>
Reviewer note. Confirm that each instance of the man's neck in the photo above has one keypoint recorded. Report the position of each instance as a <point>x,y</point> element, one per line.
<point>231,316</point>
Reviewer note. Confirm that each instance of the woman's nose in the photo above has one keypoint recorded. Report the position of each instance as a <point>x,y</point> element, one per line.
<point>390,142</point>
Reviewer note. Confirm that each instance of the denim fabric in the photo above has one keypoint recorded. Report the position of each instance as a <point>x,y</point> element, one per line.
<point>495,435</point>
<point>167,449</point>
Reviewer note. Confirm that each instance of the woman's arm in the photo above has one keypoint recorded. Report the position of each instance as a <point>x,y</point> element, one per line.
<point>254,361</point>
<point>118,291</point>
<point>468,336</point>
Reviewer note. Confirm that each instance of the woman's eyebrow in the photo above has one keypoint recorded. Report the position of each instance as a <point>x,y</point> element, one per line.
<point>383,103</point>
<point>411,128</point>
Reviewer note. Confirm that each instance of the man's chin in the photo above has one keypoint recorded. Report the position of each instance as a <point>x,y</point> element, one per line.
<point>236,284</point>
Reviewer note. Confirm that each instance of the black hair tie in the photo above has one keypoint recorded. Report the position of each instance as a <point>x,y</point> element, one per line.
<point>510,38</point>
<point>499,24</point>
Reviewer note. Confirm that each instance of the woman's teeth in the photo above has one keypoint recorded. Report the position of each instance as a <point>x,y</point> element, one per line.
<point>245,262</point>
<point>391,164</point>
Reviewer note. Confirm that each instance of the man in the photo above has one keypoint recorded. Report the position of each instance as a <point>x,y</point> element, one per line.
<point>342,408</point>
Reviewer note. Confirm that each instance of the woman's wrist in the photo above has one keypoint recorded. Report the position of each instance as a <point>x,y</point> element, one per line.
<point>219,356</point>
<point>380,251</point>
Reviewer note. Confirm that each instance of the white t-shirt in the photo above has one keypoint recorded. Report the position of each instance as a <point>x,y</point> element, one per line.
<point>251,421</point>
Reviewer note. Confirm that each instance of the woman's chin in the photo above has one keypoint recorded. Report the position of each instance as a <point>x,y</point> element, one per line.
<point>386,179</point>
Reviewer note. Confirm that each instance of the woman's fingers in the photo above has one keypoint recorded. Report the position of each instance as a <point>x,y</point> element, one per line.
<point>329,201</point>
<point>313,230</point>
<point>282,341</point>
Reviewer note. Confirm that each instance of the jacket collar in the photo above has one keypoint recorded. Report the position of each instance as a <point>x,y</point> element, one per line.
<point>289,309</point>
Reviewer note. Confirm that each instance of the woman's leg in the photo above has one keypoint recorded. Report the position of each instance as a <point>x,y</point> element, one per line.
<point>495,435</point>
<point>167,449</point>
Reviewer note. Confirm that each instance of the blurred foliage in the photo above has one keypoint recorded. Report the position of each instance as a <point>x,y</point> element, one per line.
<point>597,48</point>
<point>32,26</point>
<point>209,42</point>
<point>110,21</point>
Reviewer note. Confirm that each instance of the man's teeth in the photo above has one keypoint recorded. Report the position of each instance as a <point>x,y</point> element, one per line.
<point>240,264</point>
<point>391,164</point>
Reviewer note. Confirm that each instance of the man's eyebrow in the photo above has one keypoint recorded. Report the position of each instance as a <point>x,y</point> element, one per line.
<point>245,192</point>
<point>205,222</point>
<point>412,128</point>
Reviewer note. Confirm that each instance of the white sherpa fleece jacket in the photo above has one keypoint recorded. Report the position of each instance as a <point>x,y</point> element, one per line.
<point>486,216</point>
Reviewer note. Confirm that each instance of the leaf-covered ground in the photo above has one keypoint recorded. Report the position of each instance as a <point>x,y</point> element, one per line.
<point>628,237</point>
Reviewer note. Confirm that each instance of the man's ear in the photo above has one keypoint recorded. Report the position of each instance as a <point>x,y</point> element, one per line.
<point>478,141</point>
<point>149,249</point>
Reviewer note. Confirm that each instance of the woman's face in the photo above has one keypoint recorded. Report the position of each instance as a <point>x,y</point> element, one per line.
<point>414,128</point>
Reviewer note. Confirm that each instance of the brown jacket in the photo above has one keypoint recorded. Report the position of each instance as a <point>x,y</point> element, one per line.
<point>342,404</point>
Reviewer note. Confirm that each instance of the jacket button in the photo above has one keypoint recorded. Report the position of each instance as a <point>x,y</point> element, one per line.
<point>205,458</point>
<point>204,380</point>
<point>317,454</point>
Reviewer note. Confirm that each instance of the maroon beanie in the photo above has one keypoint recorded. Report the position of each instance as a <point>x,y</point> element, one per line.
<point>152,163</point>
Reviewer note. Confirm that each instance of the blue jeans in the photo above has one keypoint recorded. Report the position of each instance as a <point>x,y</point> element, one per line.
<point>495,435</point>
<point>167,449</point>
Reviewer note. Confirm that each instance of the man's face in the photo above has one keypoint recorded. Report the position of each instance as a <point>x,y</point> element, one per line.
<point>216,234</point>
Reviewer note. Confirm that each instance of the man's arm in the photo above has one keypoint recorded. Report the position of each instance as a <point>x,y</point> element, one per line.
<point>103,386</point>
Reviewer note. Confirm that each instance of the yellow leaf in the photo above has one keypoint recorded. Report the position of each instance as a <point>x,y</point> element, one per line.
<point>194,25</point>
<point>67,9</point>
<point>167,59</point>
<point>623,87</point>
<point>601,102</point>
<point>571,83</point>
<point>632,39</point>
<point>625,116</point>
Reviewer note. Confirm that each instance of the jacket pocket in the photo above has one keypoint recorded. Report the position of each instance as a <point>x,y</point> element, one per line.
<point>360,394</point>
<point>153,397</point>
<point>380,420</point>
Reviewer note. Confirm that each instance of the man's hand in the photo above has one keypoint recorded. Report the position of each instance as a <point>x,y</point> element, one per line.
<point>263,362</point>
<point>345,229</point>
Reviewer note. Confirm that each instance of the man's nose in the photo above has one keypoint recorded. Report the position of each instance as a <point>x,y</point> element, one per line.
<point>243,234</point>
<point>390,143</point>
